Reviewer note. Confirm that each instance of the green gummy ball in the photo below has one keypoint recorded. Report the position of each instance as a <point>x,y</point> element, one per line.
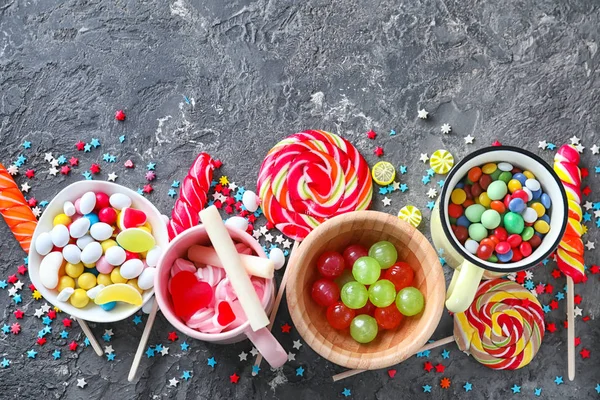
<point>474,212</point>
<point>477,232</point>
<point>382,293</point>
<point>505,177</point>
<point>497,190</point>
<point>410,301</point>
<point>513,223</point>
<point>527,233</point>
<point>354,295</point>
<point>491,219</point>
<point>385,253</point>
<point>363,328</point>
<point>366,270</point>
<point>496,174</point>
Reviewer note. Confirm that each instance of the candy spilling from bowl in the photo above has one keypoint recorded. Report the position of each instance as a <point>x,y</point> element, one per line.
<point>101,249</point>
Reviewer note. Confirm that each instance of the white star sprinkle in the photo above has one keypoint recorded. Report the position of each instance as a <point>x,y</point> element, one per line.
<point>446,129</point>
<point>424,157</point>
<point>269,237</point>
<point>108,349</point>
<point>396,185</point>
<point>173,382</point>
<point>588,205</point>
<point>580,148</point>
<point>25,187</point>
<point>528,275</point>
<point>54,162</point>
<point>19,285</point>
<point>81,383</point>
<point>469,139</point>
<point>256,234</point>
<point>254,352</point>
<point>578,312</point>
<point>53,171</point>
<point>595,149</point>
<point>287,244</point>
<point>45,308</point>
<point>597,214</point>
<point>13,170</point>
<point>291,356</point>
<point>574,140</point>
<point>108,332</point>
<point>263,230</point>
<point>542,145</point>
<point>297,344</point>
<point>233,186</point>
<point>590,245</point>
<point>386,201</point>
<point>164,351</point>
<point>36,211</point>
<point>431,193</point>
<point>12,291</point>
<point>38,313</point>
<point>216,195</point>
<point>423,114</point>
<point>112,177</point>
<point>243,356</point>
<point>48,157</point>
<point>279,239</point>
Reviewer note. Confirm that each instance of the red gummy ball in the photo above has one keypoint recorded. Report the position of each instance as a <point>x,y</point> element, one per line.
<point>102,201</point>
<point>108,215</point>
<point>526,249</point>
<point>368,309</point>
<point>455,210</point>
<point>353,253</point>
<point>330,264</point>
<point>484,251</point>
<point>388,317</point>
<point>514,240</point>
<point>400,274</point>
<point>325,292</point>
<point>339,316</point>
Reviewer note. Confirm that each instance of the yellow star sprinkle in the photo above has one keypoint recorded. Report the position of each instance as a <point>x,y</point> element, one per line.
<point>223,180</point>
<point>37,295</point>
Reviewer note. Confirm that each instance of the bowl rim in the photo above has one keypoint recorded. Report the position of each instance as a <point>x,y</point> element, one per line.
<point>344,357</point>
<point>34,258</point>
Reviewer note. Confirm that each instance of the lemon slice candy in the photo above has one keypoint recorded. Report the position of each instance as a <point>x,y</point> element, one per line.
<point>441,161</point>
<point>410,214</point>
<point>383,173</point>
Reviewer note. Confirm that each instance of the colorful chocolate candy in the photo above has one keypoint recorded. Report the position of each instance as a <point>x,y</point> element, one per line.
<point>499,212</point>
<point>99,249</point>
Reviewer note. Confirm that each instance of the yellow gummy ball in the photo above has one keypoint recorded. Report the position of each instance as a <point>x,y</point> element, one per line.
<point>514,185</point>
<point>65,282</point>
<point>529,175</point>
<point>107,244</point>
<point>115,276</point>
<point>62,219</point>
<point>539,209</point>
<point>489,169</point>
<point>133,282</point>
<point>92,265</point>
<point>74,270</point>
<point>103,279</point>
<point>79,298</point>
<point>541,226</point>
<point>458,196</point>
<point>86,280</point>
<point>485,200</point>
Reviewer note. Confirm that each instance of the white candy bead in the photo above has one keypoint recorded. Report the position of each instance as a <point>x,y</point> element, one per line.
<point>132,268</point>
<point>87,203</point>
<point>43,244</point>
<point>49,269</point>
<point>120,201</point>
<point>529,194</point>
<point>93,292</point>
<point>153,256</point>
<point>278,258</point>
<point>471,245</point>
<point>146,278</point>
<point>65,294</point>
<point>237,222</point>
<point>101,231</point>
<point>84,241</point>
<point>72,253</point>
<point>504,166</point>
<point>115,256</point>
<point>69,208</point>
<point>529,215</point>
<point>533,185</point>
<point>79,227</point>
<point>250,200</point>
<point>60,235</point>
<point>91,253</point>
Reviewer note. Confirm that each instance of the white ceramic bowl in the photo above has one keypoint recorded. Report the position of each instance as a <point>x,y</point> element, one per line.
<point>93,312</point>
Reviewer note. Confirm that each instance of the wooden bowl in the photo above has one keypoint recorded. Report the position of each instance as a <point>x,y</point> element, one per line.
<point>391,346</point>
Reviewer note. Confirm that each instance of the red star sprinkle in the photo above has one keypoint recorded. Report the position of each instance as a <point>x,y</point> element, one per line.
<point>549,288</point>
<point>15,328</point>
<point>67,322</point>
<point>554,304</point>
<point>496,143</point>
<point>378,151</point>
<point>74,161</point>
<point>148,189</point>
<point>22,269</point>
<point>585,353</point>
<point>217,163</point>
<point>32,287</point>
<point>586,190</point>
<point>251,218</point>
<point>566,324</point>
<point>218,204</point>
<point>428,366</point>
<point>226,191</point>
<point>120,115</point>
<point>228,209</point>
<point>218,188</point>
<point>12,278</point>
<point>19,314</point>
<point>234,378</point>
<point>230,200</point>
<point>41,341</point>
<point>391,373</point>
<point>595,269</point>
<point>270,225</point>
<point>286,328</point>
<point>95,168</point>
<point>440,368</point>
<point>80,145</point>
<point>32,202</point>
<point>539,289</point>
<point>30,173</point>
<point>520,279</point>
<point>577,299</point>
<point>128,164</point>
<point>551,327</point>
<point>51,314</point>
<point>65,170</point>
<point>556,273</point>
<point>73,346</point>
<point>586,318</point>
<point>577,341</point>
<point>584,172</point>
<point>371,134</point>
<point>173,336</point>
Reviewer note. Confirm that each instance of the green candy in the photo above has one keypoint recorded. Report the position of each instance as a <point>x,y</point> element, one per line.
<point>491,219</point>
<point>513,223</point>
<point>452,220</point>
<point>477,232</point>
<point>493,258</point>
<point>505,177</point>
<point>474,212</point>
<point>496,174</point>
<point>497,190</point>
<point>527,233</point>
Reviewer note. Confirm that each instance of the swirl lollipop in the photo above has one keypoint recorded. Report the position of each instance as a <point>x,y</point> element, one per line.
<point>504,326</point>
<point>309,177</point>
<point>15,210</point>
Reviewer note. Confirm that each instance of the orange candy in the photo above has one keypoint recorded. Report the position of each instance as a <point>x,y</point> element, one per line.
<point>498,206</point>
<point>474,174</point>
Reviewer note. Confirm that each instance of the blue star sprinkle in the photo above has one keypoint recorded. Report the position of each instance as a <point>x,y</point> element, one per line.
<point>31,354</point>
<point>105,157</point>
<point>403,187</point>
<point>392,133</point>
<point>110,357</point>
<point>238,196</point>
<point>21,159</point>
<point>150,352</point>
<point>346,392</point>
<point>430,205</point>
<point>560,296</point>
<point>17,298</point>
<point>597,170</point>
<point>186,375</point>
<point>3,284</point>
<point>516,389</point>
<point>5,363</point>
<point>441,183</point>
<point>106,337</point>
<point>255,369</point>
<point>382,190</point>
<point>596,206</point>
<point>27,145</point>
<point>550,146</point>
<point>95,142</point>
<point>598,223</point>
<point>172,193</point>
<point>430,172</point>
<point>64,334</point>
<point>423,353</point>
<point>61,160</point>
<point>184,346</point>
<point>426,179</point>
<point>47,330</point>
<point>122,138</point>
<point>598,388</point>
<point>558,380</point>
<point>137,320</point>
<point>158,348</point>
<point>175,184</point>
<point>151,166</point>
<point>546,308</point>
<point>56,354</point>
<point>468,386</point>
<point>112,159</point>
<point>87,148</point>
<point>537,391</point>
<point>86,342</point>
<point>299,371</point>
<point>43,203</point>
<point>46,320</point>
<point>211,361</point>
<point>587,217</point>
<point>445,354</point>
<point>140,192</point>
<point>403,169</point>
<point>427,389</point>
<point>87,175</point>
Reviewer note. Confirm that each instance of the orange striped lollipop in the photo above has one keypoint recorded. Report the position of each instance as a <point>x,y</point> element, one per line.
<point>15,210</point>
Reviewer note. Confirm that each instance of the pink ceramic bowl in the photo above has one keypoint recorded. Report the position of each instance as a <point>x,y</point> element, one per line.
<point>262,339</point>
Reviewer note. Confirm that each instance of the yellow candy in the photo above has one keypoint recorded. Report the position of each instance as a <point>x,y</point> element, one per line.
<point>514,185</point>
<point>136,240</point>
<point>441,161</point>
<point>145,228</point>
<point>148,226</point>
<point>107,244</point>
<point>79,298</point>
<point>541,226</point>
<point>62,219</point>
<point>92,265</point>
<point>115,276</point>
<point>119,292</point>
<point>529,175</point>
<point>410,214</point>
<point>86,280</point>
<point>104,279</point>
<point>65,282</point>
<point>458,196</point>
<point>133,282</point>
<point>476,200</point>
<point>74,270</point>
<point>489,168</point>
<point>539,209</point>
<point>485,200</point>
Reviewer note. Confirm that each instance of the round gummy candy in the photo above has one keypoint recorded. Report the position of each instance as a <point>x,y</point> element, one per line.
<point>491,219</point>
<point>497,190</point>
<point>366,270</point>
<point>477,232</point>
<point>410,301</point>
<point>474,212</point>
<point>354,295</point>
<point>363,328</point>
<point>385,253</point>
<point>514,223</point>
<point>382,293</point>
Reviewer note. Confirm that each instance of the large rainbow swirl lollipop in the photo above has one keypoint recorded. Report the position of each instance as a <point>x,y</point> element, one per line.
<point>504,326</point>
<point>309,177</point>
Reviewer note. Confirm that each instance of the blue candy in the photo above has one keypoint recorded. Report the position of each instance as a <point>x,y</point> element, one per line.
<point>92,217</point>
<point>537,194</point>
<point>108,306</point>
<point>460,185</point>
<point>520,177</point>
<point>463,221</point>
<point>505,257</point>
<point>540,235</point>
<point>517,205</point>
<point>93,271</point>
<point>546,218</point>
<point>546,201</point>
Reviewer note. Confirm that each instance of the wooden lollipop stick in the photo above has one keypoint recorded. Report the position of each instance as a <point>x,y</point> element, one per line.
<point>143,340</point>
<point>90,335</point>
<point>571,328</point>
<point>278,298</point>
<point>429,346</point>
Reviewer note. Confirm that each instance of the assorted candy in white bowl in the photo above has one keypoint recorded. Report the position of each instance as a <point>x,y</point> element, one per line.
<point>95,251</point>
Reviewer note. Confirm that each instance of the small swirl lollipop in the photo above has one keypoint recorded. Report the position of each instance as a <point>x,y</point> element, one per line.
<point>504,326</point>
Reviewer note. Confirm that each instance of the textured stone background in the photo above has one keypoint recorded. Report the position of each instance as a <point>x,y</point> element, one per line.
<point>516,71</point>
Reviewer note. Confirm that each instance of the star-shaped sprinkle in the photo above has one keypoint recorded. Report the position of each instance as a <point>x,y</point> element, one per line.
<point>13,170</point>
<point>598,388</point>
<point>542,145</point>
<point>427,389</point>
<point>95,168</point>
<point>286,328</point>
<point>175,184</point>
<point>537,391</point>
<point>580,148</point>
<point>56,354</point>
<point>424,157</point>
<point>173,382</point>
<point>595,149</point>
<point>392,133</point>
<point>431,193</point>
<point>440,368</point>
<point>469,139</point>
<point>64,334</point>
<point>112,177</point>
<point>30,173</point>
<point>211,361</point>
<point>346,392</point>
<point>446,129</point>
<point>25,187</point>
<point>516,388</point>
<point>234,378</point>
<point>291,356</point>
<point>243,356</point>
<point>81,383</point>
<point>95,142</point>
<point>65,169</point>
<point>255,370</point>
<point>150,166</point>
<point>300,371</point>
<point>121,138</point>
<point>26,145</point>
<point>386,201</point>
<point>590,245</point>
<point>445,354</point>
<point>53,171</point>
<point>585,353</point>
<point>186,375</point>
<point>87,148</point>
<point>150,176</point>
<point>31,354</point>
<point>184,346</point>
<point>574,140</point>
<point>148,189</point>
<point>468,387</point>
<point>558,380</point>
<point>371,134</point>
<point>422,113</point>
<point>378,151</point>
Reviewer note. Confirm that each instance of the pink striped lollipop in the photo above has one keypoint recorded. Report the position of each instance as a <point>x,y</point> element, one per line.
<point>309,177</point>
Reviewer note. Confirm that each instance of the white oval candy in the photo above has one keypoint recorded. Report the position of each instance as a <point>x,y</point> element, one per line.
<point>120,201</point>
<point>278,258</point>
<point>250,200</point>
<point>91,253</point>
<point>84,241</point>
<point>153,256</point>
<point>529,215</point>
<point>65,294</point>
<point>93,292</point>
<point>504,166</point>
<point>49,269</point>
<point>87,203</point>
<point>529,194</point>
<point>69,208</point>
<point>147,307</point>
<point>237,222</point>
<point>43,243</point>
<point>132,268</point>
<point>72,253</point>
<point>115,256</point>
<point>79,227</point>
<point>101,231</point>
<point>471,245</point>
<point>60,235</point>
<point>533,185</point>
<point>146,278</point>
